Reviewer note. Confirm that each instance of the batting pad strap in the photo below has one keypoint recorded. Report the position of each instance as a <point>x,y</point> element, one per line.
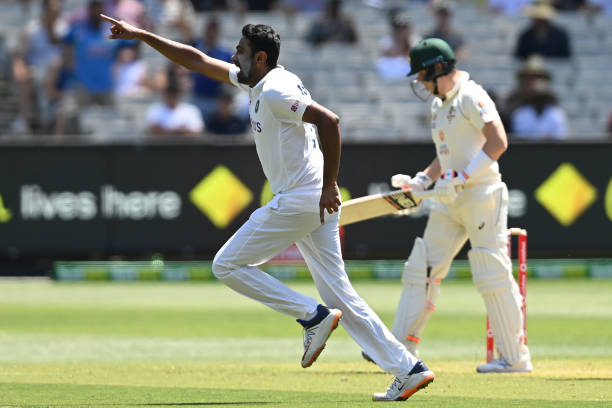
<point>413,339</point>
<point>490,271</point>
<point>415,268</point>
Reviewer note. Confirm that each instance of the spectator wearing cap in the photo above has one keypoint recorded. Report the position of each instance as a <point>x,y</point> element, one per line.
<point>394,61</point>
<point>445,31</point>
<point>542,36</point>
<point>533,109</point>
<point>530,73</point>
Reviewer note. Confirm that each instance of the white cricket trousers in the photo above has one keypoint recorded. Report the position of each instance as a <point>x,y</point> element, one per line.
<point>268,231</point>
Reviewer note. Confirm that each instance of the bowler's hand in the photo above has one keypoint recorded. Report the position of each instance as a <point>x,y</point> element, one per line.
<point>120,29</point>
<point>330,200</point>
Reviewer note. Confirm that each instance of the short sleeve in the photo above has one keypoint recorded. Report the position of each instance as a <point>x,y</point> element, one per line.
<point>288,103</point>
<point>233,76</point>
<point>153,114</point>
<point>193,118</point>
<point>478,107</point>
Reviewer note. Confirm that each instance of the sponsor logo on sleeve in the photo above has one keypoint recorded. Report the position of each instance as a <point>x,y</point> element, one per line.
<point>482,110</point>
<point>295,105</point>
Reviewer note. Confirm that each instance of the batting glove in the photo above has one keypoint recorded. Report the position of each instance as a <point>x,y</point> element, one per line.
<point>448,186</point>
<point>420,182</point>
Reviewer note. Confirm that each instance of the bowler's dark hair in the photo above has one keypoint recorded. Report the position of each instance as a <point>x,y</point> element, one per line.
<point>263,38</point>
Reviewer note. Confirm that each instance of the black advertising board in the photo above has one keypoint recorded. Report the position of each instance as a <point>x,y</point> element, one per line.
<point>79,201</point>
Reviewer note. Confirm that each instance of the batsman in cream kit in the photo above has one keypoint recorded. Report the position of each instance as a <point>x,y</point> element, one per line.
<point>302,170</point>
<point>471,202</point>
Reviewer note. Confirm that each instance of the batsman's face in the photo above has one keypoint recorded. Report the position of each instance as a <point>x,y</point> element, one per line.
<point>429,85</point>
<point>243,59</point>
<point>422,89</point>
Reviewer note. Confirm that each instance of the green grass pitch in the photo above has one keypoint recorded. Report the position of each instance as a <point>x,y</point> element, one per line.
<point>201,345</point>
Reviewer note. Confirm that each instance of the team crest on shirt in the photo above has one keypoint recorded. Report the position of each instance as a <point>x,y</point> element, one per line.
<point>256,106</point>
<point>451,114</point>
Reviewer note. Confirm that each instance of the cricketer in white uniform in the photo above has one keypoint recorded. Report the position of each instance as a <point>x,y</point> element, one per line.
<point>472,202</point>
<point>302,170</point>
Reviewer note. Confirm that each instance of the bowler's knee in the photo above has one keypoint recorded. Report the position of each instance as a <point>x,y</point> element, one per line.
<point>221,266</point>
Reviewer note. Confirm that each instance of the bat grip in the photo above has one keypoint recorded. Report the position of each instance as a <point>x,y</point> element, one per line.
<point>421,195</point>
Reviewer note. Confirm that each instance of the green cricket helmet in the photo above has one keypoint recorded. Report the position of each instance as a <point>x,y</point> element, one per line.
<point>429,51</point>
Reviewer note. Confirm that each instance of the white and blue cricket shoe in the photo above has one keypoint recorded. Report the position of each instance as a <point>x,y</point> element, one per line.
<point>403,387</point>
<point>317,331</point>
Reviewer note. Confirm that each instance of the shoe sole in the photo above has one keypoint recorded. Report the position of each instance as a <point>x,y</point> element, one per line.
<point>320,349</point>
<point>423,384</point>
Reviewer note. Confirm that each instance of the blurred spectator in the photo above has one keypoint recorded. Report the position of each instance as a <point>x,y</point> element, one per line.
<point>531,72</point>
<point>568,5</point>
<point>225,121</point>
<point>542,36</point>
<point>94,56</point>
<point>259,5</point>
<point>609,127</point>
<point>206,90</point>
<point>209,5</point>
<point>130,72</point>
<point>600,6</point>
<point>444,31</point>
<point>173,117</point>
<point>39,47</point>
<point>332,26</point>
<point>60,87</point>
<point>132,11</point>
<point>511,8</point>
<point>535,113</point>
<point>155,11</point>
<point>394,63</point>
<point>300,6</point>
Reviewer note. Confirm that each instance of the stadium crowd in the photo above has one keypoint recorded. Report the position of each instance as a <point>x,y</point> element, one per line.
<point>60,77</point>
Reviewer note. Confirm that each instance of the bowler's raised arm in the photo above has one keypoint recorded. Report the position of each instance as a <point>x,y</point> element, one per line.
<point>182,54</point>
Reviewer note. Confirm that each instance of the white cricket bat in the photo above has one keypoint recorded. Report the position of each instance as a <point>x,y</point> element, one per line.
<point>377,205</point>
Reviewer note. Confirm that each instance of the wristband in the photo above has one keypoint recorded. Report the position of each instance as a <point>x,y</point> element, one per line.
<point>423,179</point>
<point>478,165</point>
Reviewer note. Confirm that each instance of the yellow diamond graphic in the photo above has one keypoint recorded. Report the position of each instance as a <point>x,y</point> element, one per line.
<point>5,213</point>
<point>221,196</point>
<point>566,194</point>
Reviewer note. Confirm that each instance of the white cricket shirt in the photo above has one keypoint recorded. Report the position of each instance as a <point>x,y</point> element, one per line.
<point>456,127</point>
<point>287,147</point>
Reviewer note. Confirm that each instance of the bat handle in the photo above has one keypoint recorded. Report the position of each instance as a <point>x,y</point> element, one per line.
<point>421,195</point>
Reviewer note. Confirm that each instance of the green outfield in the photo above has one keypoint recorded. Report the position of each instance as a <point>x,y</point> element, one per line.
<point>112,344</point>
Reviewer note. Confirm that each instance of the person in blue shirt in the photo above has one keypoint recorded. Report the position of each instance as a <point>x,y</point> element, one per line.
<point>206,92</point>
<point>94,55</point>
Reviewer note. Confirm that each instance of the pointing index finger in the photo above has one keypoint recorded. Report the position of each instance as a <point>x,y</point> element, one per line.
<point>109,19</point>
